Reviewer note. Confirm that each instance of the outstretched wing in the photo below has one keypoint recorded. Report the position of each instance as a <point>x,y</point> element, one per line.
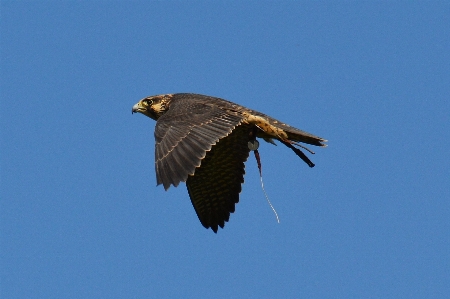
<point>183,136</point>
<point>215,187</point>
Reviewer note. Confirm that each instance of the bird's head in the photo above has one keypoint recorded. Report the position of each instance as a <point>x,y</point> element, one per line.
<point>153,106</point>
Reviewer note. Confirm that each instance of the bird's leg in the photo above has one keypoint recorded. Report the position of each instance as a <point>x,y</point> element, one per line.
<point>253,144</point>
<point>263,125</point>
<point>298,152</point>
<point>300,145</point>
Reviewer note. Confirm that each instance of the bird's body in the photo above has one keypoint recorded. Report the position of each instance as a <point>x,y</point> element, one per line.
<point>204,141</point>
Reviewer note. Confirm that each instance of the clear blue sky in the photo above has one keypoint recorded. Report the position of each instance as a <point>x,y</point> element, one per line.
<point>81,216</point>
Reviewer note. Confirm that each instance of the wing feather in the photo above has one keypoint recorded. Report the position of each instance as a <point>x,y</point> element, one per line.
<point>185,133</point>
<point>215,187</point>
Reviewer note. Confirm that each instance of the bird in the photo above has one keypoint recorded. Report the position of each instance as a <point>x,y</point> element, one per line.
<point>205,141</point>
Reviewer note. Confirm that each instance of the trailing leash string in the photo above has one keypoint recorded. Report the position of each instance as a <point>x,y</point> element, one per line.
<point>253,145</point>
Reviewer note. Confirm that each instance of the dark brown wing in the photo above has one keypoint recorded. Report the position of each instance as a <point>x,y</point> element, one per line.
<point>184,134</point>
<point>215,187</point>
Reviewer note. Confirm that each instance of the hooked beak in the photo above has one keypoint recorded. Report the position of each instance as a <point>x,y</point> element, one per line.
<point>136,108</point>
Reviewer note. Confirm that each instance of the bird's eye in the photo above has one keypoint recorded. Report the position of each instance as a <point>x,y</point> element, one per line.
<point>148,102</point>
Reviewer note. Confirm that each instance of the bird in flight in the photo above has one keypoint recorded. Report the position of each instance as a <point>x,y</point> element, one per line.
<point>205,141</point>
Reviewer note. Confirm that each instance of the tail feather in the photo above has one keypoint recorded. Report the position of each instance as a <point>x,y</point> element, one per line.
<point>294,134</point>
<point>301,136</point>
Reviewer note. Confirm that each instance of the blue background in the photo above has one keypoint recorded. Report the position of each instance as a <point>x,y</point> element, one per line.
<point>81,216</point>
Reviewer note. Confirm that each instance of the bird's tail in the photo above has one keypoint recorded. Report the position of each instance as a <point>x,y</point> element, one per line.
<point>295,136</point>
<point>305,137</point>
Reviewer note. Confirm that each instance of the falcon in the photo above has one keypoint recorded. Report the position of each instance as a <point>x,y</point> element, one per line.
<point>205,141</point>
